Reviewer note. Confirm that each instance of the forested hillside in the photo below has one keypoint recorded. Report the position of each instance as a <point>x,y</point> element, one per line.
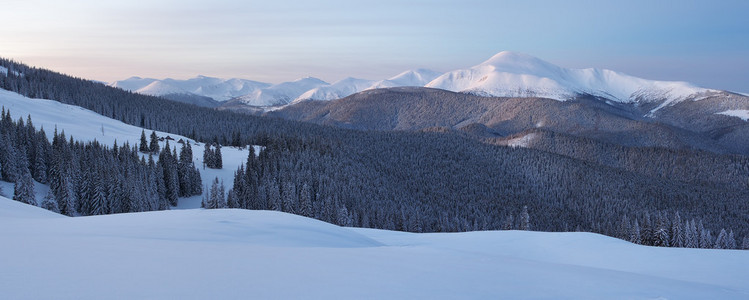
<point>686,125</point>
<point>423,181</point>
<point>89,178</point>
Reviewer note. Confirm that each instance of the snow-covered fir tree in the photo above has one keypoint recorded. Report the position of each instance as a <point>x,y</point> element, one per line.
<point>216,197</point>
<point>24,189</point>
<point>143,142</point>
<point>153,145</point>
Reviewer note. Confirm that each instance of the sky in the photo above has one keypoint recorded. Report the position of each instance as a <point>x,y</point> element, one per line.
<point>703,42</point>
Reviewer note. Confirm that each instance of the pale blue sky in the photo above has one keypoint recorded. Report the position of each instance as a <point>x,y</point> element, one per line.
<point>704,42</point>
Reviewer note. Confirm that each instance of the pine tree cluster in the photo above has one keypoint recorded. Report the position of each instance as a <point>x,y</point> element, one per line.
<point>216,197</point>
<point>666,230</point>
<point>212,157</point>
<point>89,178</point>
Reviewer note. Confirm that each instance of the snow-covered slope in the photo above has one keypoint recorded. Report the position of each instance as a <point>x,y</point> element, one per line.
<point>282,93</point>
<point>350,85</point>
<point>337,90</point>
<point>240,254</point>
<point>511,74</point>
<point>216,88</point>
<point>133,84</point>
<point>86,125</point>
<point>160,88</point>
<point>229,88</point>
<point>418,77</point>
<point>739,113</point>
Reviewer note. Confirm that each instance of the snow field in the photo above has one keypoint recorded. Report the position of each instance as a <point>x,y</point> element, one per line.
<point>227,254</point>
<point>739,113</point>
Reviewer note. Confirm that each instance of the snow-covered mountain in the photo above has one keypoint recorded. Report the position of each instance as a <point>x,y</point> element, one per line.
<point>506,74</point>
<point>256,93</point>
<point>512,74</point>
<point>159,88</point>
<point>337,90</point>
<point>216,88</point>
<point>282,93</point>
<point>133,84</point>
<point>349,86</point>
<point>418,77</point>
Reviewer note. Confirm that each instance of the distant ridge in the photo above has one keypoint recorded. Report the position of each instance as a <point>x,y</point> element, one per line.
<point>506,74</point>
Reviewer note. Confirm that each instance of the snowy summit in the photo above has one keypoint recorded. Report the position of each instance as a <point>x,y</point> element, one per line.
<point>513,74</point>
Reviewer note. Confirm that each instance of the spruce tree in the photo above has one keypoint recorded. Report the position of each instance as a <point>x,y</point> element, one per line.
<point>635,235</point>
<point>677,232</point>
<point>691,237</point>
<point>721,242</point>
<point>661,238</point>
<point>189,176</point>
<point>525,219</point>
<point>288,197</point>
<point>221,195</point>
<point>197,182</point>
<point>217,158</point>
<point>343,218</point>
<point>731,242</point>
<point>168,164</point>
<point>231,199</point>
<point>144,147</point>
<point>507,224</point>
<point>24,189</point>
<point>305,201</point>
<point>49,202</point>
<point>706,239</point>
<point>8,159</point>
<point>40,157</point>
<point>154,144</point>
<point>207,156</point>
<point>99,202</point>
<point>216,196</point>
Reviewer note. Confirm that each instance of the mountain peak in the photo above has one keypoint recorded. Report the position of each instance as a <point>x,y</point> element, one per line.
<point>515,74</point>
<point>158,88</point>
<point>511,55</point>
<point>521,63</point>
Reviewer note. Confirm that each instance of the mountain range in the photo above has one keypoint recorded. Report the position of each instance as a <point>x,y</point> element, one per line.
<point>212,92</point>
<point>506,74</point>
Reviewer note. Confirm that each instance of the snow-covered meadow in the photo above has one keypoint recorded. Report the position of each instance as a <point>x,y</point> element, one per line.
<point>227,253</point>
